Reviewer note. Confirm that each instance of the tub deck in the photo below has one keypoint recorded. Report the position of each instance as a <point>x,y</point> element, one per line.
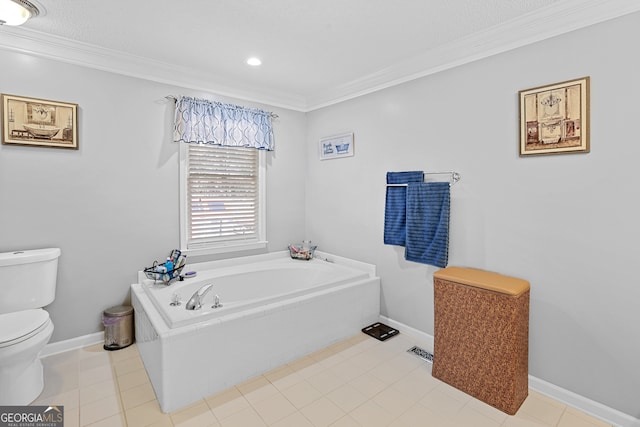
<point>246,287</point>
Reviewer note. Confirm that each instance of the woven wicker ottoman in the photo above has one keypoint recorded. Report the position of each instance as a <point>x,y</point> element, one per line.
<point>481,343</point>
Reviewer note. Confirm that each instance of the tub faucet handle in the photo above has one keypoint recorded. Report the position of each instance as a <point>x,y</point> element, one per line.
<point>216,302</point>
<point>175,299</point>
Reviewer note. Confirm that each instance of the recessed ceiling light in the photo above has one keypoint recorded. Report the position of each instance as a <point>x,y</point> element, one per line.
<point>254,62</point>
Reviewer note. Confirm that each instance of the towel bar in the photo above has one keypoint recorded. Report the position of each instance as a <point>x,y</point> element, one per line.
<point>455,177</point>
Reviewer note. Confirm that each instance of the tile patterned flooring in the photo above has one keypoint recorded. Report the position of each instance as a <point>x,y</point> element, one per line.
<point>359,382</point>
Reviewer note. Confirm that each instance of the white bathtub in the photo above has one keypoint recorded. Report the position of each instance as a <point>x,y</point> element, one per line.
<point>274,310</point>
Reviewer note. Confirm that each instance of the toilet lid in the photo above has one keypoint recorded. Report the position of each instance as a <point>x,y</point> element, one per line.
<point>18,326</point>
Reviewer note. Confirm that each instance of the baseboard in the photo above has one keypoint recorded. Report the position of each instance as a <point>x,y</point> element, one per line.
<point>72,344</point>
<point>588,406</point>
<point>425,339</point>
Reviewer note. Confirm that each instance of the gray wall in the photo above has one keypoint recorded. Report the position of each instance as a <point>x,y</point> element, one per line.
<point>567,223</point>
<point>112,206</point>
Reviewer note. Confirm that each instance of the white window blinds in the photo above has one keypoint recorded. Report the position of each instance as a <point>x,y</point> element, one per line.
<point>223,196</point>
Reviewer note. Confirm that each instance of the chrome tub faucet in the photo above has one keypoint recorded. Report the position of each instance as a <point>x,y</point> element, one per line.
<point>195,302</point>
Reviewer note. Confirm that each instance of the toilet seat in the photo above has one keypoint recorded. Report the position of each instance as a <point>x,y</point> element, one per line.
<point>21,325</point>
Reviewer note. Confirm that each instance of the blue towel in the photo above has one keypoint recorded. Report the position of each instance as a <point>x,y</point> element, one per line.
<point>428,223</point>
<point>395,229</point>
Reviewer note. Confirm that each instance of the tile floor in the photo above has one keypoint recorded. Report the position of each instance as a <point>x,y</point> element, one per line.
<point>359,382</point>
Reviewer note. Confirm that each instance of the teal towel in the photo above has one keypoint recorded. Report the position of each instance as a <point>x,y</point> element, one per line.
<point>427,240</point>
<point>395,229</point>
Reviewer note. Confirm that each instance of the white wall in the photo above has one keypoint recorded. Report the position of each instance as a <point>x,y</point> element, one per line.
<point>112,206</point>
<point>567,223</point>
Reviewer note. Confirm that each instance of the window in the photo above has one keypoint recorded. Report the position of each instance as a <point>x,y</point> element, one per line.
<point>222,196</point>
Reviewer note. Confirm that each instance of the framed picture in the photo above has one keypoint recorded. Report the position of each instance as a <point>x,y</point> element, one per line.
<point>39,122</point>
<point>332,147</point>
<point>554,119</point>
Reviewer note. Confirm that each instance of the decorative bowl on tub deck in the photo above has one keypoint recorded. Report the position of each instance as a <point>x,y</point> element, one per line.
<point>301,252</point>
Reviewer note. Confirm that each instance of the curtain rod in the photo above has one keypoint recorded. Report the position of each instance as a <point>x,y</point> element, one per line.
<point>175,99</point>
<point>455,177</point>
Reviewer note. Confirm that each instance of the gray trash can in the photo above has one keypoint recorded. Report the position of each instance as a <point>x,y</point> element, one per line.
<point>118,327</point>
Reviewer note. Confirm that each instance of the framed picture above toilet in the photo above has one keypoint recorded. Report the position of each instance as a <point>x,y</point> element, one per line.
<point>39,122</point>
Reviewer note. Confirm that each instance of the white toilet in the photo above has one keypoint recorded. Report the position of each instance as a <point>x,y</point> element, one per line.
<point>27,283</point>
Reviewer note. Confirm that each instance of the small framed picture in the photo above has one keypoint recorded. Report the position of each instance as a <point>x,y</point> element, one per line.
<point>554,119</point>
<point>39,122</point>
<point>332,147</point>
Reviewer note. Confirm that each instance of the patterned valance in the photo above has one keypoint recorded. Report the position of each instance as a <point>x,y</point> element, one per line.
<point>205,122</point>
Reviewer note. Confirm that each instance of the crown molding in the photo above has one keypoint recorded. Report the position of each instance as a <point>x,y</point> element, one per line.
<point>559,18</point>
<point>61,49</point>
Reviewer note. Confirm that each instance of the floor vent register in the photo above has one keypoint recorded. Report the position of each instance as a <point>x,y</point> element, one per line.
<point>421,353</point>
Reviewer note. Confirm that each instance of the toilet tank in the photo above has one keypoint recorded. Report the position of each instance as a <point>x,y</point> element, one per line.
<point>28,279</point>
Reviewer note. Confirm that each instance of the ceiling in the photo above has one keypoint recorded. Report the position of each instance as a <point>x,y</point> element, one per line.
<point>314,53</point>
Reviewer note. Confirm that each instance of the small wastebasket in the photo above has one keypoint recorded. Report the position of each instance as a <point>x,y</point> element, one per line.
<point>118,327</point>
<point>481,343</point>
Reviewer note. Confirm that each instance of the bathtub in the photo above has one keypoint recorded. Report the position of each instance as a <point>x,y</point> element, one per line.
<point>274,310</point>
